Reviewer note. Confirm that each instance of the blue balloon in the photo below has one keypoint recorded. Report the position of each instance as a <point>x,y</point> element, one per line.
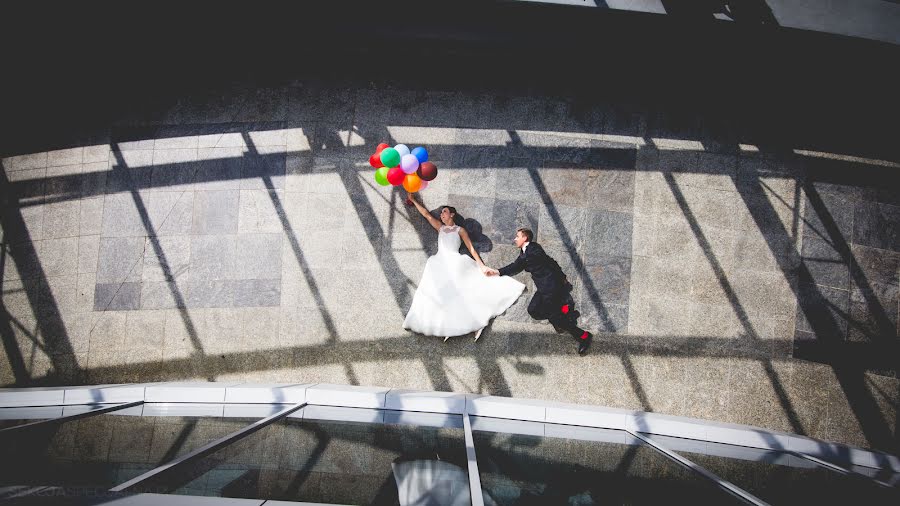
<point>421,154</point>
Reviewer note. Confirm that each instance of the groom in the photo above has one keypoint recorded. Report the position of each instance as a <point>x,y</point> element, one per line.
<point>551,300</point>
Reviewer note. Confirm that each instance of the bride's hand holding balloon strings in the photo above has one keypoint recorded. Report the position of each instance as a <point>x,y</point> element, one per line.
<point>411,199</point>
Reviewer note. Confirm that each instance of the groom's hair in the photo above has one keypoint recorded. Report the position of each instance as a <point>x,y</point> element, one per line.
<point>529,235</point>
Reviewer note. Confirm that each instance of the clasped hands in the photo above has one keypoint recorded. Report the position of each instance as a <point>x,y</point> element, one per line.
<point>488,271</point>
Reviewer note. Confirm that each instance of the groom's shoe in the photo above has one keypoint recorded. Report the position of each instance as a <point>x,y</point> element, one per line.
<point>584,342</point>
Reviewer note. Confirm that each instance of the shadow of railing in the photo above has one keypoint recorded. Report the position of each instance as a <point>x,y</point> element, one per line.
<point>122,168</point>
<point>826,328</point>
<point>10,344</point>
<point>24,258</point>
<point>301,260</point>
<point>733,301</point>
<point>622,156</point>
<point>393,347</point>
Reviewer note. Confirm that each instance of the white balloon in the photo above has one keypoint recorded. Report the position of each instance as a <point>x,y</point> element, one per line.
<point>403,149</point>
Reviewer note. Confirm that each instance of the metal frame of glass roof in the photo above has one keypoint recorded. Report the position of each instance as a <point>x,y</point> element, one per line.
<point>666,434</point>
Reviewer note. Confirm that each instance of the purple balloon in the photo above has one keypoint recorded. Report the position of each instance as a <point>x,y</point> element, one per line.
<point>409,163</point>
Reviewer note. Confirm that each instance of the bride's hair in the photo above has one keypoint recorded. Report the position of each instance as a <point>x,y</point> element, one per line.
<point>457,218</point>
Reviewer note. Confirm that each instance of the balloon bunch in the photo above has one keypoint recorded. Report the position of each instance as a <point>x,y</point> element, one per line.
<point>398,165</point>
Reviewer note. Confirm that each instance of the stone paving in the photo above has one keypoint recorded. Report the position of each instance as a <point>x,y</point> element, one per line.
<point>239,234</point>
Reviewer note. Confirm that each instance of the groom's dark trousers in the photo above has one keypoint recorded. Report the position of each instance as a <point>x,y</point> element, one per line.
<point>551,288</point>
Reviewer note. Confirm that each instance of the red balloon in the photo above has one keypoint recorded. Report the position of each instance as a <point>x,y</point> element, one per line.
<point>380,147</point>
<point>427,171</point>
<point>396,176</point>
<point>375,161</point>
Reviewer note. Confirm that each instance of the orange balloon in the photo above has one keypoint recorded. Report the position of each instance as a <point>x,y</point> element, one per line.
<point>412,183</point>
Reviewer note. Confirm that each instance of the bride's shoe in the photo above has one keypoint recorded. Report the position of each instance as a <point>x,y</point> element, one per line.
<point>445,339</point>
<point>478,334</point>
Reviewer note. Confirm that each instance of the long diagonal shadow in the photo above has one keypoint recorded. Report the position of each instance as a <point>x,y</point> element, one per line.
<point>839,243</point>
<point>13,353</point>
<point>387,239</point>
<point>739,311</point>
<point>322,441</point>
<point>49,321</point>
<point>160,255</point>
<point>490,376</point>
<point>22,328</point>
<point>178,443</point>
<point>583,276</point>
<point>635,382</point>
<point>301,260</point>
<point>434,365</point>
<point>624,466</point>
<point>377,238</point>
<point>812,302</point>
<point>397,283</point>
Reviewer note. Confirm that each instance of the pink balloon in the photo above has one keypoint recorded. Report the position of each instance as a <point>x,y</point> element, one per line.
<point>423,185</point>
<point>409,163</point>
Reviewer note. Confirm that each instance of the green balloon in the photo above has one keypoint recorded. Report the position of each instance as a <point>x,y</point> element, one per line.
<point>390,157</point>
<point>381,176</point>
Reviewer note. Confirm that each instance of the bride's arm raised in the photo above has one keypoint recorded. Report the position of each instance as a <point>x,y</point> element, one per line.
<point>468,242</point>
<point>431,219</point>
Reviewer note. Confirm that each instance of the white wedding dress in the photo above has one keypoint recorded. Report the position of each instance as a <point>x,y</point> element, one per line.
<point>454,297</point>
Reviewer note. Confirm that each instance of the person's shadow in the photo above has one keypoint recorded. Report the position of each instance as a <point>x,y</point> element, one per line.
<point>480,242</point>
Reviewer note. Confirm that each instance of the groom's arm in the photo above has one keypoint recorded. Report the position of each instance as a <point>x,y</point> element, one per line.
<point>513,268</point>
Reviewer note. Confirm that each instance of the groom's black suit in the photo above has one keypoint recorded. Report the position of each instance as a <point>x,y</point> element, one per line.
<point>551,287</point>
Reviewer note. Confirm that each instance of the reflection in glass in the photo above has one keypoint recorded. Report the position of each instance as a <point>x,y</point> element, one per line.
<point>99,452</point>
<point>779,477</point>
<point>883,474</point>
<point>582,466</point>
<point>329,461</point>
<point>12,417</point>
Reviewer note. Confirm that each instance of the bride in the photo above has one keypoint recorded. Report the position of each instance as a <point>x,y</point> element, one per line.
<point>454,296</point>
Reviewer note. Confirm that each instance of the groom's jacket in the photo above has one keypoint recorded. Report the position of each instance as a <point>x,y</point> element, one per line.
<point>548,276</point>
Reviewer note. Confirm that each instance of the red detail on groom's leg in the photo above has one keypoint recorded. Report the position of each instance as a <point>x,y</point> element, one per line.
<point>565,309</point>
<point>584,336</point>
